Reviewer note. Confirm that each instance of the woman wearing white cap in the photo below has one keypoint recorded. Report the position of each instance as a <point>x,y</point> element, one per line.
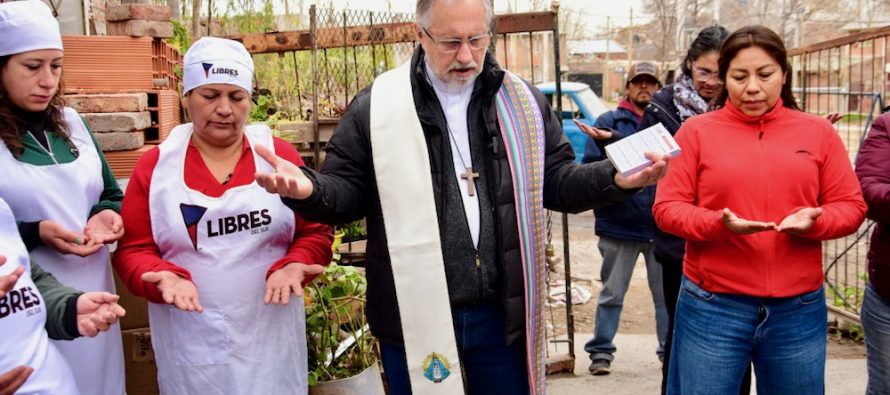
<point>217,256</point>
<point>56,181</point>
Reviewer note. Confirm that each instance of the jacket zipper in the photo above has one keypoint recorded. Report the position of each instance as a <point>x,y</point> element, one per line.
<point>764,176</point>
<point>479,274</point>
<point>45,150</point>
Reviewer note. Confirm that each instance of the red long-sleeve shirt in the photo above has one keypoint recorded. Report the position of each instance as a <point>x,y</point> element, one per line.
<point>137,252</point>
<point>763,169</point>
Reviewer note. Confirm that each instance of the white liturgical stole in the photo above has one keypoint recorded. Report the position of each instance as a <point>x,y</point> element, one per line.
<point>404,181</point>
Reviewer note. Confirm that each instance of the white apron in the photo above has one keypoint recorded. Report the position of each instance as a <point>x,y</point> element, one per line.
<point>237,345</point>
<point>65,193</point>
<point>22,320</point>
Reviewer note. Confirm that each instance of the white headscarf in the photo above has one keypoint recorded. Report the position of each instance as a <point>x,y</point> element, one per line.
<point>27,26</point>
<point>213,60</point>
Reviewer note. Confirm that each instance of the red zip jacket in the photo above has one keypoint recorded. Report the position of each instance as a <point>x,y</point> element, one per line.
<point>137,252</point>
<point>763,169</point>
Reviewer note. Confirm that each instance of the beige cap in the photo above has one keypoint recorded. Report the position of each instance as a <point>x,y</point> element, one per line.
<point>642,68</point>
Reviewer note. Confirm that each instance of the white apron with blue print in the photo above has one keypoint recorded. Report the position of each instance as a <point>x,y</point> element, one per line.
<point>65,193</point>
<point>237,345</point>
<point>22,320</point>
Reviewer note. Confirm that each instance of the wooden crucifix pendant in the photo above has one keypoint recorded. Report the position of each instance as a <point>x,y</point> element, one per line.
<point>471,177</point>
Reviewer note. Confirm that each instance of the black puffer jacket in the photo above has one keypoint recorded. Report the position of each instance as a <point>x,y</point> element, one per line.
<point>669,249</point>
<point>346,189</point>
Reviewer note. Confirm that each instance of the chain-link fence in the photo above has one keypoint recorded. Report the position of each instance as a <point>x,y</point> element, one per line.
<point>325,66</point>
<point>354,47</point>
<point>845,75</point>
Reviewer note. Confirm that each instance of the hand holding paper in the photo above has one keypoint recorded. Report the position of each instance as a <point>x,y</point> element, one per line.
<point>629,154</point>
<point>648,175</point>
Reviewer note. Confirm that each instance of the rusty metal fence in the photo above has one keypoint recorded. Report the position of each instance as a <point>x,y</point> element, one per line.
<point>848,75</point>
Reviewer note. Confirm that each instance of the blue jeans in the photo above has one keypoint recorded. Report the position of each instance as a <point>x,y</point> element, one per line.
<point>876,325</point>
<point>717,335</point>
<point>619,259</point>
<point>490,365</point>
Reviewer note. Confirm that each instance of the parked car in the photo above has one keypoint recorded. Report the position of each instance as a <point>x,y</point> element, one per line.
<point>578,102</point>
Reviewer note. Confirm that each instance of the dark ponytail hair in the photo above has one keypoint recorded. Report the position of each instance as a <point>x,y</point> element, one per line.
<point>764,38</point>
<point>707,41</point>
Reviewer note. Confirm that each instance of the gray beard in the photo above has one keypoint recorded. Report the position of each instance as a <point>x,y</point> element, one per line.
<point>455,84</point>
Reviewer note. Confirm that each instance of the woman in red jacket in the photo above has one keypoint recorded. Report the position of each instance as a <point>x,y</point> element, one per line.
<point>873,170</point>
<point>217,256</point>
<point>758,186</point>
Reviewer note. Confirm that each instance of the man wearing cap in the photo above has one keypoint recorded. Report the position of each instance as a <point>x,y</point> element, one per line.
<point>212,251</point>
<point>625,229</point>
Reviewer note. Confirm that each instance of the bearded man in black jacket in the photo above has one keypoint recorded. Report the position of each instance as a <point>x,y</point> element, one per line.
<point>452,160</point>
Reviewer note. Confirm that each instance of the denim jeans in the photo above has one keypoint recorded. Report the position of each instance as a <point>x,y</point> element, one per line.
<point>876,325</point>
<point>619,259</point>
<point>671,278</point>
<point>717,335</point>
<point>490,365</point>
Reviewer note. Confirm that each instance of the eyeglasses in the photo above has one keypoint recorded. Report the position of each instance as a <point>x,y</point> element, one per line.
<point>450,45</point>
<point>703,75</point>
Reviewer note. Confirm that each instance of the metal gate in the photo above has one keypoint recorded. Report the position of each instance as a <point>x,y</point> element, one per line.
<point>848,75</point>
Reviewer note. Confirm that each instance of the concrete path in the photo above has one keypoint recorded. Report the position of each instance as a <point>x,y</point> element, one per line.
<point>636,371</point>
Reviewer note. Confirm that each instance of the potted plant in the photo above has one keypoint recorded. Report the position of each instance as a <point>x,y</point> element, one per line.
<point>342,352</point>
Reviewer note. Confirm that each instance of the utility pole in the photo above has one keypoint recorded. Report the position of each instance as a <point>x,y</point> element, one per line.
<point>607,70</point>
<point>630,40</point>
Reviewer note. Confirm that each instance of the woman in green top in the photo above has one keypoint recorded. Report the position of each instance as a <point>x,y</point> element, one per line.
<point>57,182</point>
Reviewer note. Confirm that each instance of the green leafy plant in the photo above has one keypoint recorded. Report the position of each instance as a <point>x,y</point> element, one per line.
<point>338,340</point>
<point>353,231</point>
<point>181,38</point>
<point>263,109</point>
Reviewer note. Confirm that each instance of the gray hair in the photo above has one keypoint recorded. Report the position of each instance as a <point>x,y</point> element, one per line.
<point>424,7</point>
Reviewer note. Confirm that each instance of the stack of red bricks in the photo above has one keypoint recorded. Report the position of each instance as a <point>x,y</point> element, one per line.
<point>118,120</point>
<point>125,87</point>
<point>139,20</point>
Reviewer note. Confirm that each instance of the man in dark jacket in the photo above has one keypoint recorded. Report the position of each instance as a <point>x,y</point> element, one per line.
<point>625,229</point>
<point>458,106</point>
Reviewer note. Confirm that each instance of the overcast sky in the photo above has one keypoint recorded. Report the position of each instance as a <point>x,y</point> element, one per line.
<point>595,12</point>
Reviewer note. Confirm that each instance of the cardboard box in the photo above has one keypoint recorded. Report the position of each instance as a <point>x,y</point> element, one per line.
<point>139,362</point>
<point>136,307</point>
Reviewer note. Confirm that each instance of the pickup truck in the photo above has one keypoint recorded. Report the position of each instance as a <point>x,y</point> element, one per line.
<point>578,102</point>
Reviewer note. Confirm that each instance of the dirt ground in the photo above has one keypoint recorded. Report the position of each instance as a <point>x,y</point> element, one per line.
<point>637,317</point>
